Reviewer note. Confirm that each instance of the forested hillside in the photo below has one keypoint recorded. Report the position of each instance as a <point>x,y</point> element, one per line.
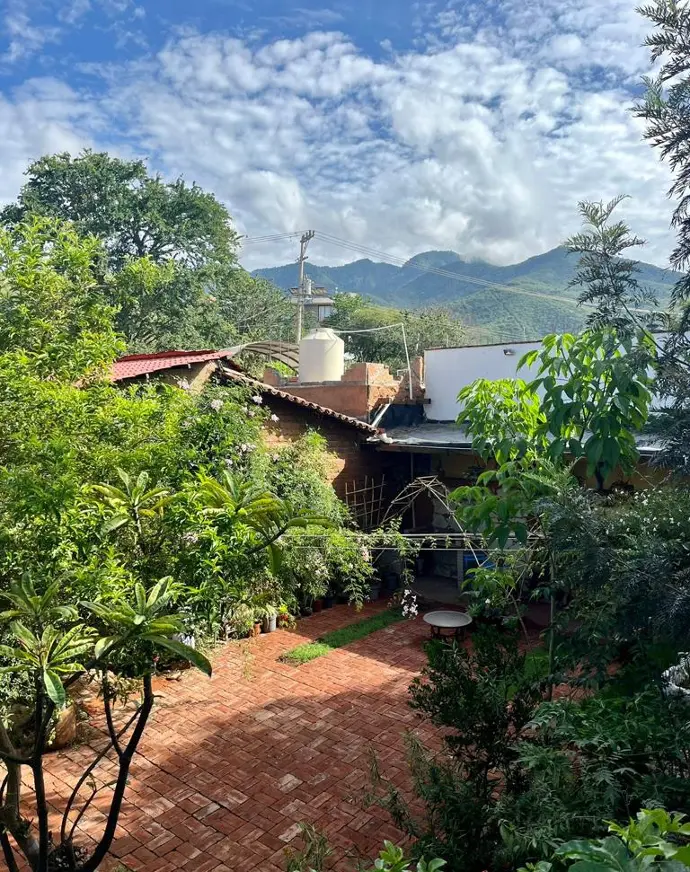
<point>522,300</point>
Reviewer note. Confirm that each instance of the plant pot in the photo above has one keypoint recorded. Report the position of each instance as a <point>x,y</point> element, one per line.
<point>328,601</point>
<point>270,622</point>
<point>189,641</point>
<point>318,605</point>
<point>306,611</point>
<point>374,592</point>
<point>65,728</point>
<point>256,629</point>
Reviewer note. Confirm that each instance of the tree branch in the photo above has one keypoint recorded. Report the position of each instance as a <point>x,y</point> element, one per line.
<point>92,864</point>
<point>87,772</point>
<point>109,717</point>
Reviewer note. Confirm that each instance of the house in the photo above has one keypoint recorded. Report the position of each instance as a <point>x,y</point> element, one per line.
<point>354,459</point>
<point>438,454</point>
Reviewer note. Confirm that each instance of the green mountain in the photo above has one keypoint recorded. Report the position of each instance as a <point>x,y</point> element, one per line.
<point>524,300</point>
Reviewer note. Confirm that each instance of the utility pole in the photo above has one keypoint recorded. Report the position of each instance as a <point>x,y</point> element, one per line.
<point>302,290</point>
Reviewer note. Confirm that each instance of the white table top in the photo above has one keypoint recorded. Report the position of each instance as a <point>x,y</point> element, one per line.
<point>448,619</point>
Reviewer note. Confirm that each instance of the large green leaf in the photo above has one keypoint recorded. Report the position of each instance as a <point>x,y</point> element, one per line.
<point>195,657</point>
<point>54,687</point>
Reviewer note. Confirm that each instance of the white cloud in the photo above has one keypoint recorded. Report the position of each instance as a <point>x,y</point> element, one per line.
<point>482,141</point>
<point>24,38</point>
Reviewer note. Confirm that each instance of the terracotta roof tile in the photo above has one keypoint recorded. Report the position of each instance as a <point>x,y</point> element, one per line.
<point>260,386</point>
<point>135,365</point>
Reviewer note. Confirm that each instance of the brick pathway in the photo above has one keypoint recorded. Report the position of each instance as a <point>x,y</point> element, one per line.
<point>230,766</point>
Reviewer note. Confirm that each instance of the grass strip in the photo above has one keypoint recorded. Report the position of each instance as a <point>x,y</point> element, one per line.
<point>338,638</point>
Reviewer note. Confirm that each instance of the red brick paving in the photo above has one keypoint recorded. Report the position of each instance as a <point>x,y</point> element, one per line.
<point>229,766</point>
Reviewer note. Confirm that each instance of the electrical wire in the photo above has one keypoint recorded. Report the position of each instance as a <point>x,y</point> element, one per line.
<point>475,280</point>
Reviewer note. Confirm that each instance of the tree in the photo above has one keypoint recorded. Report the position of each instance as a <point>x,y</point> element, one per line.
<point>425,328</point>
<point>596,397</point>
<point>54,647</point>
<point>171,246</point>
<point>135,214</point>
<point>54,308</point>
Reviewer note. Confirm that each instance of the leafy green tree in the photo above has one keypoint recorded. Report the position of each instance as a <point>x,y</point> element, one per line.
<point>171,245</point>
<point>54,309</point>
<point>596,396</point>
<point>424,328</point>
<point>135,214</point>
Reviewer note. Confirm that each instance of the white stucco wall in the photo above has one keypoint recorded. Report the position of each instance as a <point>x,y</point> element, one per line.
<point>448,370</point>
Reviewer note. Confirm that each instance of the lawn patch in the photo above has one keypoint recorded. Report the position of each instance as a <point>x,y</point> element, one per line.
<point>338,638</point>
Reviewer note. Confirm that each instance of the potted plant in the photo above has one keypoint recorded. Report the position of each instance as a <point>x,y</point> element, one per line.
<point>284,618</point>
<point>270,619</point>
<point>329,600</point>
<point>258,623</point>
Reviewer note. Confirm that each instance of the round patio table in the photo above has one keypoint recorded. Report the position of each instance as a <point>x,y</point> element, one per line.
<point>456,622</point>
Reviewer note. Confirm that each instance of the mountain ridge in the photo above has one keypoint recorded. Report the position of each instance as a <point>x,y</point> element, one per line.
<point>533,296</point>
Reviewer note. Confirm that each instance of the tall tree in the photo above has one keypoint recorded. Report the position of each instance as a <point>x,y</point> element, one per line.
<point>134,213</point>
<point>171,245</point>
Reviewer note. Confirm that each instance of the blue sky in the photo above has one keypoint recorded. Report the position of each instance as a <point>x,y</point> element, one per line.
<point>472,125</point>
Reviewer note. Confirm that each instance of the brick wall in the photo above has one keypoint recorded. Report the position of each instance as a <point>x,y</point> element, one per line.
<point>352,459</point>
<point>363,388</point>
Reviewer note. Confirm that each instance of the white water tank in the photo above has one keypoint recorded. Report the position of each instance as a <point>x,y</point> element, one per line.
<point>321,356</point>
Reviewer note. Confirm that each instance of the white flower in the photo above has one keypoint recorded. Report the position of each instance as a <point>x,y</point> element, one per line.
<point>251,413</point>
<point>228,461</point>
<point>216,405</point>
<point>184,384</point>
<point>275,419</point>
<point>487,602</point>
<point>275,458</point>
<point>257,399</point>
<point>190,538</point>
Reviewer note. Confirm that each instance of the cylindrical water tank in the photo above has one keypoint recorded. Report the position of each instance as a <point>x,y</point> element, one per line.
<point>321,356</point>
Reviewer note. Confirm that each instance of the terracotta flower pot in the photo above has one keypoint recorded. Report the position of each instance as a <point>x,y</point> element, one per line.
<point>256,629</point>
<point>65,728</point>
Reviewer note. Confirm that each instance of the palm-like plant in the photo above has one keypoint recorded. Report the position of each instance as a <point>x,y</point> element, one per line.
<point>132,504</point>
<point>147,621</point>
<point>55,655</point>
<point>234,502</point>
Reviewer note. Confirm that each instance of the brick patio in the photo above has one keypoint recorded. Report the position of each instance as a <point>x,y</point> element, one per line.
<point>230,766</point>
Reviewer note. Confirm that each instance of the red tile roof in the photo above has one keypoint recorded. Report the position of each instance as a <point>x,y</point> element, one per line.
<point>135,365</point>
<point>263,388</point>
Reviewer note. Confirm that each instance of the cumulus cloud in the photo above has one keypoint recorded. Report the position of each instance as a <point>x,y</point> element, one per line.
<point>482,139</point>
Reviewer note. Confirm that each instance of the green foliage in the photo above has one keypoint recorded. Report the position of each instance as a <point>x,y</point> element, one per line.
<point>54,310</point>
<point>655,839</point>
<point>504,418</point>
<point>136,215</point>
<point>339,638</point>
<point>426,328</point>
<point>595,397</point>
<point>608,279</point>
<point>170,247</point>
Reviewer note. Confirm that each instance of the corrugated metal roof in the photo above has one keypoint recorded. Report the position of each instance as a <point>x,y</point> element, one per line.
<point>443,436</point>
<point>263,388</point>
<point>447,436</point>
<point>135,365</point>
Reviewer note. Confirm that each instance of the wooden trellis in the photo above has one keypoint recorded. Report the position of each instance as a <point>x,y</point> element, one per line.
<point>365,501</point>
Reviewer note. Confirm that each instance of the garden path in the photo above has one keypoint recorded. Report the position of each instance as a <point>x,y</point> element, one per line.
<point>229,766</point>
